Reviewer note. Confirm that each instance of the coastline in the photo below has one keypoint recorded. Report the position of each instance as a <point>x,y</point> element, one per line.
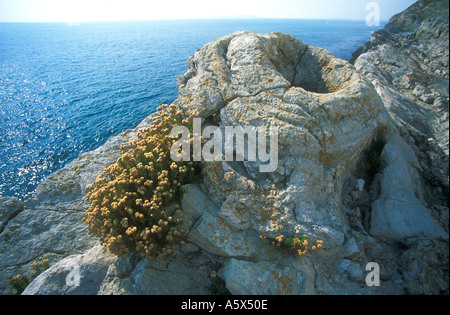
<point>59,205</point>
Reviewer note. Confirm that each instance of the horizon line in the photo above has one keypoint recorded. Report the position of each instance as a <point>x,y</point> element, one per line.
<point>195,19</point>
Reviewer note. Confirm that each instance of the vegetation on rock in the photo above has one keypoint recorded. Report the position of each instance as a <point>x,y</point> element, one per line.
<point>374,160</point>
<point>20,281</point>
<point>296,245</point>
<point>132,207</point>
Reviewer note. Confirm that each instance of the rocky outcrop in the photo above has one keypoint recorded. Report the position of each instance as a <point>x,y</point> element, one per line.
<point>99,272</point>
<point>411,76</point>
<point>335,121</point>
<point>330,118</point>
<point>407,62</point>
<point>66,276</point>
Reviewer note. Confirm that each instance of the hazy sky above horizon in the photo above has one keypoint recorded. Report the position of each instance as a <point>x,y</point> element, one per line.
<point>111,10</point>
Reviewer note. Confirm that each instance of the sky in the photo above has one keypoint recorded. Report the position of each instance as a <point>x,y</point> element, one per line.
<point>117,10</point>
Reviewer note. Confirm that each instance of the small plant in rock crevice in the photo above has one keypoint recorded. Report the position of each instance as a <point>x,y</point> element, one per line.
<point>20,282</point>
<point>374,160</point>
<point>296,245</point>
<point>218,286</point>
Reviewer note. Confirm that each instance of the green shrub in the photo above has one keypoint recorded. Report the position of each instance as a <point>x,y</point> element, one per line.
<point>218,286</point>
<point>374,160</point>
<point>131,200</point>
<point>20,282</point>
<point>296,245</point>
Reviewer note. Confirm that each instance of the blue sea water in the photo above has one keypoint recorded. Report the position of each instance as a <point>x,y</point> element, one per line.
<point>65,90</point>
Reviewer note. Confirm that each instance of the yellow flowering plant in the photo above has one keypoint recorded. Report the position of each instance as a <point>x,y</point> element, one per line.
<point>132,200</point>
<point>296,245</point>
<point>20,282</point>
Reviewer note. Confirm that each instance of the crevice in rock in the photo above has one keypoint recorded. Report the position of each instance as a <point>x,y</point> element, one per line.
<point>362,188</point>
<point>309,74</point>
<point>238,167</point>
<point>10,217</point>
<point>296,67</point>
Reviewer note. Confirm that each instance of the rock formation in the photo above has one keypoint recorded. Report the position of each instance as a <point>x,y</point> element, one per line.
<point>336,119</point>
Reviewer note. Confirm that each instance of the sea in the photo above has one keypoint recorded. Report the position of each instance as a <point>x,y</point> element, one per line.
<point>66,88</point>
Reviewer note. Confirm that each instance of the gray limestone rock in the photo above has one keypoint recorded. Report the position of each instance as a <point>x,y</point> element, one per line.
<point>398,214</point>
<point>74,275</point>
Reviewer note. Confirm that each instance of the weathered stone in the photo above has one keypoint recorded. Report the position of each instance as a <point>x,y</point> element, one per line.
<point>316,115</point>
<point>425,268</point>
<point>267,278</point>
<point>186,273</point>
<point>74,275</point>
<point>215,235</point>
<point>194,203</point>
<point>398,214</point>
<point>389,56</point>
<point>412,204</point>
